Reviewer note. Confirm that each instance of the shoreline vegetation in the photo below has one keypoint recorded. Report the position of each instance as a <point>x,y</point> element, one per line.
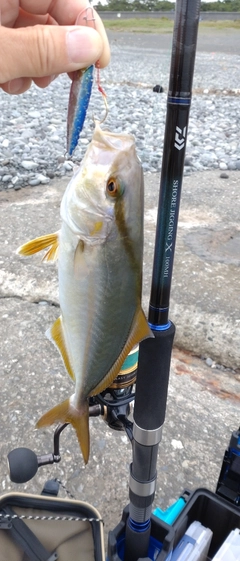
<point>164,25</point>
<point>156,6</point>
<point>164,6</point>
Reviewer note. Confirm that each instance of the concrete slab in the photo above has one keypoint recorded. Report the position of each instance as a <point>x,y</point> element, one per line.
<point>205,297</point>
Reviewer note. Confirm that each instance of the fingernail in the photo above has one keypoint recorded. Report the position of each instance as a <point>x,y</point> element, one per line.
<point>15,86</point>
<point>82,48</point>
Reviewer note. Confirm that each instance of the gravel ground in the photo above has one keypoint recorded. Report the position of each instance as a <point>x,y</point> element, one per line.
<point>33,125</point>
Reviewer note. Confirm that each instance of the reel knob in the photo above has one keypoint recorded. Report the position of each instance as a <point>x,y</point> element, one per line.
<point>22,464</point>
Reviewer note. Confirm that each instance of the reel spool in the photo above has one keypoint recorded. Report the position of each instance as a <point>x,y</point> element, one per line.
<point>128,373</point>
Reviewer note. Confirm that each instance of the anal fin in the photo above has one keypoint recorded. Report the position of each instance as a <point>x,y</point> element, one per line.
<point>43,242</point>
<point>55,334</point>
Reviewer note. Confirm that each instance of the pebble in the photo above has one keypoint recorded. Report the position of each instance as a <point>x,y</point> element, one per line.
<point>43,179</point>
<point>33,125</point>
<point>5,143</point>
<point>34,182</point>
<point>54,138</point>
<point>28,164</point>
<point>209,361</point>
<point>15,180</point>
<point>222,165</point>
<point>35,114</point>
<point>68,166</point>
<point>39,178</point>
<point>50,174</point>
<point>232,165</point>
<point>28,133</point>
<point>6,178</point>
<point>177,444</point>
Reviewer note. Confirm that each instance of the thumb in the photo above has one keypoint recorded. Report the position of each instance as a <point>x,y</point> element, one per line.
<point>44,50</point>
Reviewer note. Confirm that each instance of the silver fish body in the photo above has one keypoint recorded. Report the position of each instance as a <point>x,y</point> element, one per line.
<point>100,273</point>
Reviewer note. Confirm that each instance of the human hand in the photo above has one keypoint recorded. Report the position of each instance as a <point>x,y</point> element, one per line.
<point>39,41</point>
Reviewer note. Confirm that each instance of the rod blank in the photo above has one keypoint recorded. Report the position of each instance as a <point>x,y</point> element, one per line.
<point>178,109</point>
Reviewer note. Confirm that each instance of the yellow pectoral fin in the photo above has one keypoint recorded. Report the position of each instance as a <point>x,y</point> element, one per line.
<point>140,330</point>
<point>56,335</point>
<point>34,246</point>
<point>65,413</point>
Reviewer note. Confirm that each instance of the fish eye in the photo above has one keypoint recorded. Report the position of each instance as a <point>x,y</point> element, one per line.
<point>113,188</point>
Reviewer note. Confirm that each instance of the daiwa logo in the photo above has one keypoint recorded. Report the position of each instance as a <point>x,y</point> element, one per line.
<point>180,136</point>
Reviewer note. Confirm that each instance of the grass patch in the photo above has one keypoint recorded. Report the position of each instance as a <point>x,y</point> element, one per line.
<point>137,25</point>
<point>162,25</point>
<point>220,25</point>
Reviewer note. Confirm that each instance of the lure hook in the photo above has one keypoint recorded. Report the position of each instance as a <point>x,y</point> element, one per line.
<point>105,103</point>
<point>92,18</point>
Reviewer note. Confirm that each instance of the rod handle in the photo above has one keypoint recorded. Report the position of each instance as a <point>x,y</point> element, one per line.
<point>152,379</point>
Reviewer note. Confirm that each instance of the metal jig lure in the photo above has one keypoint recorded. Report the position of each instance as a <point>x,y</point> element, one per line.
<point>80,94</point>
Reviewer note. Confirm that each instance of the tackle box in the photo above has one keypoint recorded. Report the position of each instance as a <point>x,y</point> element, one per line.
<point>212,511</point>
<point>41,528</point>
<point>230,549</point>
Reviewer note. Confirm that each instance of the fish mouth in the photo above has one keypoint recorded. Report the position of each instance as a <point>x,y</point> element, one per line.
<point>113,141</point>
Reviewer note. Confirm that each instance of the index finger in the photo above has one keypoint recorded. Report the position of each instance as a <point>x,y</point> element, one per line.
<point>66,13</point>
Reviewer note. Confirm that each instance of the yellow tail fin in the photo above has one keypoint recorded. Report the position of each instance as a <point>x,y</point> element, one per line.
<point>65,413</point>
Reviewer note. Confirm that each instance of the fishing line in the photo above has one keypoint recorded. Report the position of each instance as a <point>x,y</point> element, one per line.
<point>97,65</point>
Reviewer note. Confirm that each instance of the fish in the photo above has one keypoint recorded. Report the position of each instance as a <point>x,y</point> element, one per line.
<point>79,98</point>
<point>100,252</point>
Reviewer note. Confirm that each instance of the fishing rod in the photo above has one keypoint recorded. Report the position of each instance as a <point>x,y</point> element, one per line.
<point>155,354</point>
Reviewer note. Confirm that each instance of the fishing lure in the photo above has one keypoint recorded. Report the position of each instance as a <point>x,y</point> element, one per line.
<point>79,97</point>
<point>81,90</point>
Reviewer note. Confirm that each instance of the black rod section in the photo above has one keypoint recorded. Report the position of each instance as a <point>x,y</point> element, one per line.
<point>152,379</point>
<point>178,109</point>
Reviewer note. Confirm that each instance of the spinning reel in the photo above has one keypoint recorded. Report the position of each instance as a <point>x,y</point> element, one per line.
<point>113,404</point>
